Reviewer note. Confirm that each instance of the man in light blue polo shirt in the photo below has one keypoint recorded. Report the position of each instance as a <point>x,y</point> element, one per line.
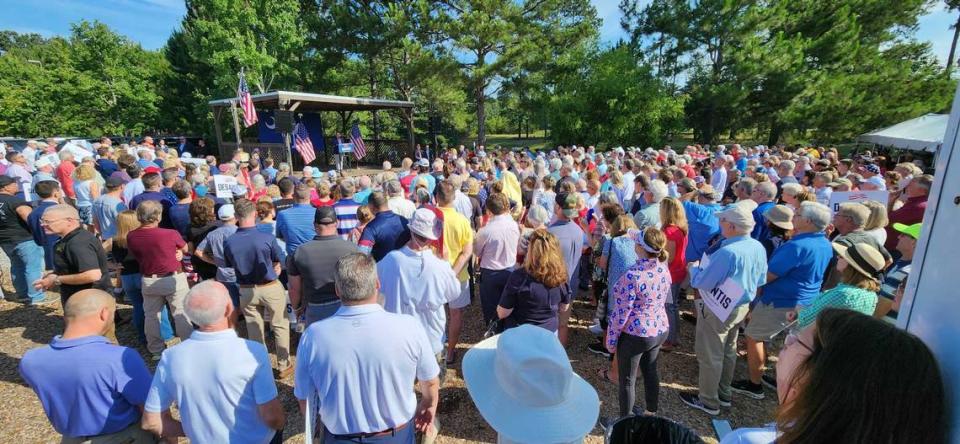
<point>702,222</point>
<point>90,388</point>
<point>295,224</point>
<point>360,365</point>
<point>743,261</point>
<point>795,275</point>
<point>222,384</point>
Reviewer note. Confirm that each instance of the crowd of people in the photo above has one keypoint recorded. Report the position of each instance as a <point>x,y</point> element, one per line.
<point>373,275</point>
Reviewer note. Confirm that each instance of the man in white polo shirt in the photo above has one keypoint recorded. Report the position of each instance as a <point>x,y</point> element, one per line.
<point>222,384</point>
<point>360,364</point>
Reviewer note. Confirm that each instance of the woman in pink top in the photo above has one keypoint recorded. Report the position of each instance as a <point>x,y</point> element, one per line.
<point>673,220</point>
<point>638,322</point>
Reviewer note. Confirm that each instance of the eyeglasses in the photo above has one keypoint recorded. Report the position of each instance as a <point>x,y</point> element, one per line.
<point>795,339</point>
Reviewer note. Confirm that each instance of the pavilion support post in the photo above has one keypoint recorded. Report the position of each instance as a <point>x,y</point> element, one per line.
<point>217,115</point>
<point>411,137</point>
<point>236,122</point>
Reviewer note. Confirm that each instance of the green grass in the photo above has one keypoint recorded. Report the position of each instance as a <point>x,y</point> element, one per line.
<point>536,141</point>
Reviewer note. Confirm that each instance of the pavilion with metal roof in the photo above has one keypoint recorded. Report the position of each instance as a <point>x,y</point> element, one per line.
<point>301,102</point>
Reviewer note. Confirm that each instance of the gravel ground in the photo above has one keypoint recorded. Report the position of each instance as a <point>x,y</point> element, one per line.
<point>23,328</point>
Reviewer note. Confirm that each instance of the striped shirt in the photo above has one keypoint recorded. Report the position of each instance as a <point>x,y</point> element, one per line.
<point>295,226</point>
<point>346,210</point>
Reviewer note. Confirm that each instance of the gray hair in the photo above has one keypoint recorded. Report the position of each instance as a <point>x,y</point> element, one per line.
<point>787,164</point>
<point>817,213</point>
<point>393,188</point>
<point>206,303</point>
<point>747,185</point>
<point>347,187</point>
<point>858,213</point>
<point>258,182</point>
<point>149,211</point>
<point>658,190</point>
<point>555,164</point>
<point>356,278</point>
<point>65,210</point>
<point>608,197</point>
<point>537,215</point>
<point>769,189</point>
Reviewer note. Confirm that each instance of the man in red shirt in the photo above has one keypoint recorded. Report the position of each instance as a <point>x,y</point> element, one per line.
<point>64,174</point>
<point>912,210</point>
<point>159,251</point>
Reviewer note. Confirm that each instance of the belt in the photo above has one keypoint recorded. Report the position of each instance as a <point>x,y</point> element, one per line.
<point>265,284</point>
<point>162,275</point>
<point>321,304</point>
<point>386,432</point>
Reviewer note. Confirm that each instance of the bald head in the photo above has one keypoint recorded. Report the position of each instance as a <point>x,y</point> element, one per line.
<point>87,303</point>
<point>207,304</point>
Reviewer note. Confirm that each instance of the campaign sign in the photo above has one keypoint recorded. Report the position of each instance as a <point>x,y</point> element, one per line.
<point>839,197</point>
<point>344,148</point>
<point>723,299</point>
<point>223,185</point>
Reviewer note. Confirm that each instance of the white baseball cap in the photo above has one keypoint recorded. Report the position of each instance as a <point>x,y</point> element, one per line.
<point>226,212</point>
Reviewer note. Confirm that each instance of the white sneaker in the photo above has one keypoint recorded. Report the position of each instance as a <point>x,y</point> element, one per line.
<point>595,329</point>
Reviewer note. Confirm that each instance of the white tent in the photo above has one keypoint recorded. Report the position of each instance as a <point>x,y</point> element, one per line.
<point>924,133</point>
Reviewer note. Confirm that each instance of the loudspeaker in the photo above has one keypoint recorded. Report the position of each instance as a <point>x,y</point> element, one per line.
<point>284,120</point>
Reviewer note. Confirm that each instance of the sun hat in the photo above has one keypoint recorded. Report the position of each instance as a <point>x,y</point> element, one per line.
<point>862,257</point>
<point>780,216</point>
<point>524,387</point>
<point>424,224</point>
<point>317,174</point>
<point>738,214</point>
<point>226,212</point>
<point>568,203</point>
<point>325,216</point>
<point>910,230</point>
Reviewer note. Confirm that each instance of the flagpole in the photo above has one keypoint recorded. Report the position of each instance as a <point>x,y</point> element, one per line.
<point>233,110</point>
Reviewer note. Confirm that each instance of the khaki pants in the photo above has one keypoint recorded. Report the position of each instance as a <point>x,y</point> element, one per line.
<point>274,303</point>
<point>171,290</point>
<point>716,349</point>
<point>130,435</point>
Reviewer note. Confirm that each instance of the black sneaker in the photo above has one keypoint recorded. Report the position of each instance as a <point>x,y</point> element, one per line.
<point>599,349</point>
<point>724,402</point>
<point>693,400</point>
<point>769,381</point>
<point>747,388</point>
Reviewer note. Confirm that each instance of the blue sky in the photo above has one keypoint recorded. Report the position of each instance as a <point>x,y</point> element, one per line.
<point>150,22</point>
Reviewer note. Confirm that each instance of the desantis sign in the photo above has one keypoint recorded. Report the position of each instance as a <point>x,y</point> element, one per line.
<point>839,197</point>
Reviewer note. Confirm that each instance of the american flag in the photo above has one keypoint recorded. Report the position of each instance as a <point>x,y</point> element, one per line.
<point>301,141</point>
<point>359,149</point>
<point>246,102</point>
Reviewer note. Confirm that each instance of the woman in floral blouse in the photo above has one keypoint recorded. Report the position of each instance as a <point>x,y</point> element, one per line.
<point>638,322</point>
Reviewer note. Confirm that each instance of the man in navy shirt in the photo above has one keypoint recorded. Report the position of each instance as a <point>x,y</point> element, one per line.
<point>99,399</point>
<point>49,191</point>
<point>386,232</point>
<point>794,277</point>
<point>255,258</point>
<point>765,195</point>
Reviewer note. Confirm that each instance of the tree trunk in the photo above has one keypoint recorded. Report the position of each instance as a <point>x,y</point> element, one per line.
<point>411,141</point>
<point>776,130</point>
<point>953,46</point>
<point>481,99</point>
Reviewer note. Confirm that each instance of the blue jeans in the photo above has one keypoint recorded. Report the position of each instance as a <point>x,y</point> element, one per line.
<point>234,291</point>
<point>132,289</point>
<point>319,312</point>
<point>673,315</point>
<point>26,266</point>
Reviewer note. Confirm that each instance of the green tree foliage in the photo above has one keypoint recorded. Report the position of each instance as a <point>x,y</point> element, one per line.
<point>95,82</point>
<point>765,66</point>
<point>614,99</point>
<point>495,39</point>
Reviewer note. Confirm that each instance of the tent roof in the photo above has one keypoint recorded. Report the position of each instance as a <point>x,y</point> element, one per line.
<point>315,102</point>
<point>924,133</point>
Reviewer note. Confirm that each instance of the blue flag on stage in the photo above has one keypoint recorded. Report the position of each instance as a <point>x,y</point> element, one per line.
<point>268,129</point>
